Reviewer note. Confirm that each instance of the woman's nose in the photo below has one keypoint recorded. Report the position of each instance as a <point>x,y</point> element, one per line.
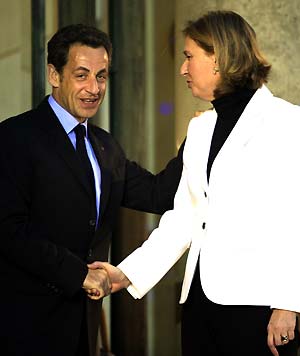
<point>184,68</point>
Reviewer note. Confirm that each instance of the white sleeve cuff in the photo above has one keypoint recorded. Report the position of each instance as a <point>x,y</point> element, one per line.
<point>133,291</point>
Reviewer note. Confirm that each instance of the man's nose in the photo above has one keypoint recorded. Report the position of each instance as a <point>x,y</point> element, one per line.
<point>93,86</point>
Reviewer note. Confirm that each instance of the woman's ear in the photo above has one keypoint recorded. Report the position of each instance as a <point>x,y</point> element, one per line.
<point>53,76</point>
<point>216,67</point>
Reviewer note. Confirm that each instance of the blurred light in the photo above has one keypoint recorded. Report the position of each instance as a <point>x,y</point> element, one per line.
<point>166,109</point>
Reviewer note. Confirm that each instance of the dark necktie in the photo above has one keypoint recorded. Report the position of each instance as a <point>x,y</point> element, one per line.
<point>83,156</point>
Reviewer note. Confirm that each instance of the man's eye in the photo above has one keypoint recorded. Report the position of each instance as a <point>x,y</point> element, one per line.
<point>101,78</point>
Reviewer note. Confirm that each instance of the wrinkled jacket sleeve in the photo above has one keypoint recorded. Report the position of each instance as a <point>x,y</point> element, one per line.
<point>166,244</point>
<point>152,193</point>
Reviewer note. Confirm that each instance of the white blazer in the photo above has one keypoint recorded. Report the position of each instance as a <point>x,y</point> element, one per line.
<point>245,224</point>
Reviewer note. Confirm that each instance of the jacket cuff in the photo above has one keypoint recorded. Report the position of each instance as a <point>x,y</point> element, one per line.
<point>71,275</point>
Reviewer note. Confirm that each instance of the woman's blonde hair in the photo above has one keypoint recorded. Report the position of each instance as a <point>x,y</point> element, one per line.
<point>233,42</point>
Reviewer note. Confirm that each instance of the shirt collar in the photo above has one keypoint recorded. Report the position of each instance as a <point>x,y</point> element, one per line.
<point>67,121</point>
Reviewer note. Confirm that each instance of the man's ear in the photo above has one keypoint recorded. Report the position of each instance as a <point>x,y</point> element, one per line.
<point>53,76</point>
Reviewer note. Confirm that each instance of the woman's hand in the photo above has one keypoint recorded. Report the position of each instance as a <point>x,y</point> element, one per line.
<point>281,329</point>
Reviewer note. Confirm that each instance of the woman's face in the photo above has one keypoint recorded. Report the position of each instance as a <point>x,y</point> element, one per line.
<point>199,71</point>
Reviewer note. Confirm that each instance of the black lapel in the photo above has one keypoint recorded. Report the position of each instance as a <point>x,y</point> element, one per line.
<point>59,140</point>
<point>102,156</point>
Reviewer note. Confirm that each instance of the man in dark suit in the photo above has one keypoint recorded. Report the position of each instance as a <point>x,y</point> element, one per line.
<point>55,217</point>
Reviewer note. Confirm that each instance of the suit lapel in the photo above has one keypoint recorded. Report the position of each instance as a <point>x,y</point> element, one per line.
<point>245,128</point>
<point>197,148</point>
<point>102,156</point>
<point>206,143</point>
<point>65,149</point>
<point>60,142</point>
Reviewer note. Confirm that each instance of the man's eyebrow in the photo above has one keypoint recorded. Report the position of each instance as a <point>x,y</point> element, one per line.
<point>101,71</point>
<point>104,70</point>
<point>82,68</point>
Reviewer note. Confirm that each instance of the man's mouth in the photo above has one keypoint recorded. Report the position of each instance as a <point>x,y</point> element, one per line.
<point>89,100</point>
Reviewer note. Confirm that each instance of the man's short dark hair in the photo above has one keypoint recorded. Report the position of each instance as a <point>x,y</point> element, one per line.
<point>59,45</point>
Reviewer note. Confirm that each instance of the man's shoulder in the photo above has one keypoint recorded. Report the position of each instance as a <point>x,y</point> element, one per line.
<point>23,119</point>
<point>96,130</point>
<point>105,138</point>
<point>20,130</point>
<point>14,122</point>
<point>101,134</point>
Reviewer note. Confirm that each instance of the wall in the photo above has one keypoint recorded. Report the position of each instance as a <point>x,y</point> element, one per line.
<point>15,53</point>
<point>277,25</point>
<point>15,57</point>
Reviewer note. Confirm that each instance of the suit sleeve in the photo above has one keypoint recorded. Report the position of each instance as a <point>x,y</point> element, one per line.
<point>152,193</point>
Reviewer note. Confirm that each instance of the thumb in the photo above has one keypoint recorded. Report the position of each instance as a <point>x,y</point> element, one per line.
<point>95,265</point>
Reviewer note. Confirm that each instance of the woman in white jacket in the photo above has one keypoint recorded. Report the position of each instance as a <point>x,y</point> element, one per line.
<point>237,205</point>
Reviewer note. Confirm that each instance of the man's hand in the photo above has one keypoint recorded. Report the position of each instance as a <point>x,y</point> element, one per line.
<point>97,284</point>
<point>117,277</point>
<point>281,329</point>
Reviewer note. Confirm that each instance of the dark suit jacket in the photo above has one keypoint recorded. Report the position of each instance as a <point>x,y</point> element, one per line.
<point>47,228</point>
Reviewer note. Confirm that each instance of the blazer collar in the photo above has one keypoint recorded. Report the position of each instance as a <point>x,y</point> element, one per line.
<point>251,119</point>
<point>246,127</point>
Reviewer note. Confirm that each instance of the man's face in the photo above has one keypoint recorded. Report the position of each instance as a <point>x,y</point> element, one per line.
<point>81,87</point>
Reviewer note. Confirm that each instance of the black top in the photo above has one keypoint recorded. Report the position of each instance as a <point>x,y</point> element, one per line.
<point>229,108</point>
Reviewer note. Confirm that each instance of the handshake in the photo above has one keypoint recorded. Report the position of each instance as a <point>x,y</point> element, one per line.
<point>103,279</point>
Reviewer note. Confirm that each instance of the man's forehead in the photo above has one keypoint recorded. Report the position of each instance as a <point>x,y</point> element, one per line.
<point>80,48</point>
<point>85,56</point>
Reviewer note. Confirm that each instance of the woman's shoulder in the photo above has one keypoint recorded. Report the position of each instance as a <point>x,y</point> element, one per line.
<point>203,118</point>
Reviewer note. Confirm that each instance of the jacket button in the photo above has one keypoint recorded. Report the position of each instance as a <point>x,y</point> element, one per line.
<point>92,222</point>
<point>203,226</point>
<point>90,252</point>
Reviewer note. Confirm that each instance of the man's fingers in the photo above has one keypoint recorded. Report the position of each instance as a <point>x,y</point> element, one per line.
<point>93,297</point>
<point>97,283</point>
<point>95,265</point>
<point>95,294</point>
